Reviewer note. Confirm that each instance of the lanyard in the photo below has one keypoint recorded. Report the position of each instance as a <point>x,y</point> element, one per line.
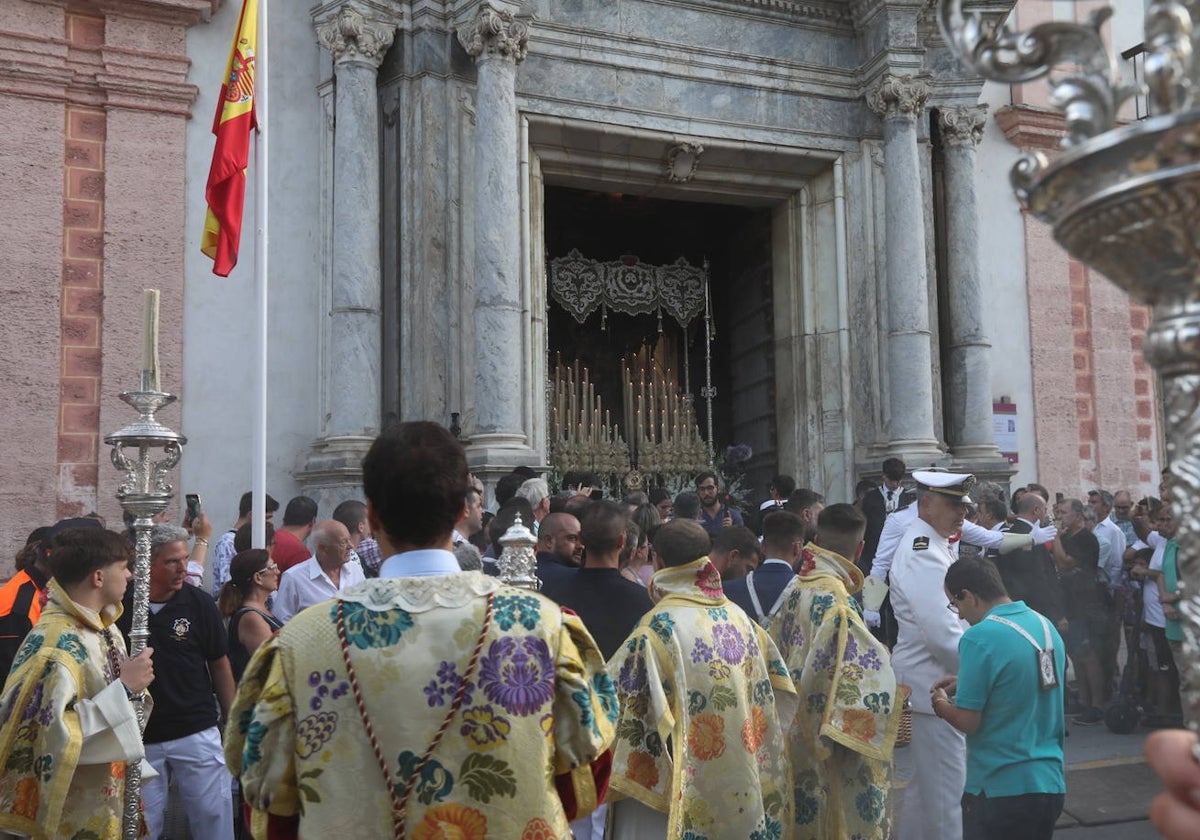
<point>763,620</point>
<point>1028,638</point>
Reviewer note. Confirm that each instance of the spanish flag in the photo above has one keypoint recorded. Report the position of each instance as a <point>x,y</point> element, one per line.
<point>235,118</point>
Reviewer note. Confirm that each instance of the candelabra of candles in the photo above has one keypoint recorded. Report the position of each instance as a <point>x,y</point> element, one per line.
<point>582,434</point>
<point>662,425</point>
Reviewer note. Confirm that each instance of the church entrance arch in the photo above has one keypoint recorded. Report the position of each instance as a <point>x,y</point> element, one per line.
<point>764,218</point>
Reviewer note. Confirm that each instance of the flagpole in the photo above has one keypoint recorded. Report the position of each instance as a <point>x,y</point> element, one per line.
<point>258,481</point>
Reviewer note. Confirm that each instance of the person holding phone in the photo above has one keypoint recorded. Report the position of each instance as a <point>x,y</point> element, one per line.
<point>200,528</point>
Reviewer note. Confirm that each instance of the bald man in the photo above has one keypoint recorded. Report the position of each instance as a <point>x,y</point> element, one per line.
<point>322,576</point>
<point>558,542</point>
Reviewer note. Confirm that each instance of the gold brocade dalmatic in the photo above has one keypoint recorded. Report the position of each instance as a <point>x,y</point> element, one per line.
<point>842,739</point>
<point>537,704</point>
<point>705,702</point>
<point>67,731</point>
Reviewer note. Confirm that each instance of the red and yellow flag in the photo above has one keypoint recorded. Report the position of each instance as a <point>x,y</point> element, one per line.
<point>235,118</point>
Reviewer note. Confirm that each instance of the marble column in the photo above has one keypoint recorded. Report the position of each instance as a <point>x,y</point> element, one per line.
<point>969,402</point>
<point>497,39</point>
<point>357,43</point>
<point>900,102</point>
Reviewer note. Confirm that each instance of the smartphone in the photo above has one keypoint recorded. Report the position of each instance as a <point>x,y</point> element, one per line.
<point>194,508</point>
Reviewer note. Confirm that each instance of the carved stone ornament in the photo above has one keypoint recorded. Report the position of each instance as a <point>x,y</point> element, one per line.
<point>898,96</point>
<point>350,36</point>
<point>495,32</point>
<point>962,124</point>
<point>683,159</point>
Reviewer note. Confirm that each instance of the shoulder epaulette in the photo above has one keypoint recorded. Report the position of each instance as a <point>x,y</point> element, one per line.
<point>920,544</point>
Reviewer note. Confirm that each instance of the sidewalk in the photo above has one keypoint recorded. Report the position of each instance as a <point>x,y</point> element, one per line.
<point>1109,785</point>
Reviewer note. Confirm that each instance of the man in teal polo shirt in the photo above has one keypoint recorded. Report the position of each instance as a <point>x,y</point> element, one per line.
<point>1008,700</point>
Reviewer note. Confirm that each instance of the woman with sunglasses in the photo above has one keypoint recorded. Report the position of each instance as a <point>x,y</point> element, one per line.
<point>253,576</point>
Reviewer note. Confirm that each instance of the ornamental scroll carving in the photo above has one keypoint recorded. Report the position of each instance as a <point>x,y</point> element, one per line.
<point>496,32</point>
<point>582,286</point>
<point>351,36</point>
<point>962,124</point>
<point>898,96</point>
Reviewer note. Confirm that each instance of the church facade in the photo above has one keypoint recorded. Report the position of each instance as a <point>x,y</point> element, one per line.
<point>470,199</point>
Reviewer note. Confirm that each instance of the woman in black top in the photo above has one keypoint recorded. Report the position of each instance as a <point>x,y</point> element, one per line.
<point>253,576</point>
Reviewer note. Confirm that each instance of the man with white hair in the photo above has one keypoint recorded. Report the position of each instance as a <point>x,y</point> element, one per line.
<point>537,492</point>
<point>191,663</point>
<point>322,576</point>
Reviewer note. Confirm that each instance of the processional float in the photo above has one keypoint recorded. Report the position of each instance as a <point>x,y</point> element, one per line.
<point>1125,200</point>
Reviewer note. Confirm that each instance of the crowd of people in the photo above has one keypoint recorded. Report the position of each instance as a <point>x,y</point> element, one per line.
<point>688,668</point>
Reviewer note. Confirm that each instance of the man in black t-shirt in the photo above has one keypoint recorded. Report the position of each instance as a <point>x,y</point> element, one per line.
<point>190,661</point>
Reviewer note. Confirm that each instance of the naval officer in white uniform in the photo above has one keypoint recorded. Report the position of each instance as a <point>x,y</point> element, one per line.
<point>926,650</point>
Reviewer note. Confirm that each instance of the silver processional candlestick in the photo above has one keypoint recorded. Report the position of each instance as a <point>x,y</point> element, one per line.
<point>143,494</point>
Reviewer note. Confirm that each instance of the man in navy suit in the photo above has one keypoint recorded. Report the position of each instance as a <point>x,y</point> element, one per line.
<point>759,593</point>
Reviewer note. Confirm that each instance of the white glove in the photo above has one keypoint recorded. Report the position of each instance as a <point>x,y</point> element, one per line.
<point>871,617</point>
<point>1043,535</point>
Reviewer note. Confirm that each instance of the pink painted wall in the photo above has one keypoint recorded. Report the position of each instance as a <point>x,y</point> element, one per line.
<point>96,99</point>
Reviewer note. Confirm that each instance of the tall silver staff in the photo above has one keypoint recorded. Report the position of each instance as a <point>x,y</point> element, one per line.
<point>143,494</point>
<point>1124,199</point>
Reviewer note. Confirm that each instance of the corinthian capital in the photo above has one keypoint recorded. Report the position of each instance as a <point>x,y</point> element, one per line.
<point>495,32</point>
<point>351,36</point>
<point>897,96</point>
<point>962,124</point>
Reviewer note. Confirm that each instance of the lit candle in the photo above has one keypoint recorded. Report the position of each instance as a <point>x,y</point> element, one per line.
<point>150,338</point>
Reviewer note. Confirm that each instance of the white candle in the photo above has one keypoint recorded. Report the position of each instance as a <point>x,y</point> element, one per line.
<point>150,336</point>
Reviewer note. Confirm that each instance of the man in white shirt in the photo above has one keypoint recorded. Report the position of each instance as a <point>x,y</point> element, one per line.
<point>1164,679</point>
<point>926,650</point>
<point>1108,531</point>
<point>322,576</point>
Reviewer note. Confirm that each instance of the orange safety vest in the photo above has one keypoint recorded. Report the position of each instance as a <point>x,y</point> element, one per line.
<point>21,601</point>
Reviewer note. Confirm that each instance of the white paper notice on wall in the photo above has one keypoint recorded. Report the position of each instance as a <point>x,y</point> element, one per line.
<point>1004,429</point>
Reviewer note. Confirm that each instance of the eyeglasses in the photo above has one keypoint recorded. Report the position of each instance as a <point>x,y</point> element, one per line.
<point>270,567</point>
<point>953,607</point>
<point>707,487</point>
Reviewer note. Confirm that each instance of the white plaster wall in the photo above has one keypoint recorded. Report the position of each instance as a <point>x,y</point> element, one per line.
<point>219,313</point>
<point>1005,301</point>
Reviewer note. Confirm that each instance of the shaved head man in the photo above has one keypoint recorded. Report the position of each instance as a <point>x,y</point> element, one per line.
<point>322,576</point>
<point>558,546</point>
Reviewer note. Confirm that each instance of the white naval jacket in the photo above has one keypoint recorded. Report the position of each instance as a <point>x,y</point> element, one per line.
<point>927,647</point>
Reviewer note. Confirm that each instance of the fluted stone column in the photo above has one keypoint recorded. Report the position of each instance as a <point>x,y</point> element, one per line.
<point>357,43</point>
<point>497,40</point>
<point>900,101</point>
<point>969,407</point>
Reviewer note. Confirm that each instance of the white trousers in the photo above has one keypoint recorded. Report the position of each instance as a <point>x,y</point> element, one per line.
<point>199,763</point>
<point>591,827</point>
<point>933,799</point>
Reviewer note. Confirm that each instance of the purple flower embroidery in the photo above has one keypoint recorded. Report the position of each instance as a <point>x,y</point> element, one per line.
<point>701,652</point>
<point>851,648</point>
<point>728,643</point>
<point>518,674</point>
<point>442,689</point>
<point>870,660</point>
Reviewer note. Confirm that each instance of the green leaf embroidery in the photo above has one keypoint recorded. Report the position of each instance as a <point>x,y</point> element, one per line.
<point>631,730</point>
<point>308,791</point>
<point>486,777</point>
<point>722,698</point>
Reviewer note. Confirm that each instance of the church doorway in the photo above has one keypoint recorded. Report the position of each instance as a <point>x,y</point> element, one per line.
<point>637,360</point>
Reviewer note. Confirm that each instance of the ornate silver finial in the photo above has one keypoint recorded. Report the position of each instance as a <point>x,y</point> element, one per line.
<point>1089,92</point>
<point>351,36</point>
<point>898,96</point>
<point>496,32</point>
<point>518,561</point>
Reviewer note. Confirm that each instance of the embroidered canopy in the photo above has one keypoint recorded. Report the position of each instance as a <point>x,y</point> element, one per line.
<point>581,286</point>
